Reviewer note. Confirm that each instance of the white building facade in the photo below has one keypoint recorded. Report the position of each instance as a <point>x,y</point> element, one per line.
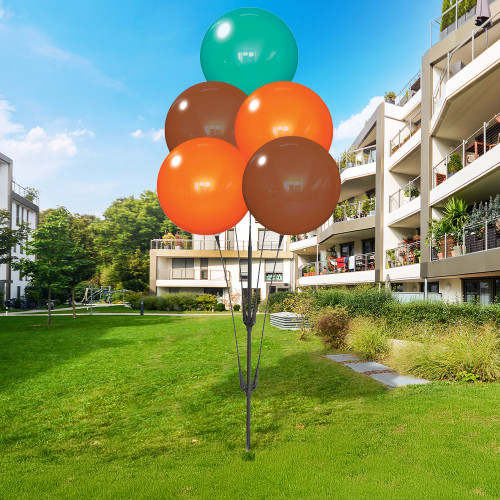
<point>23,205</point>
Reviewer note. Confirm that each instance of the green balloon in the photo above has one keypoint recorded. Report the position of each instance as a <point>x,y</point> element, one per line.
<point>248,48</point>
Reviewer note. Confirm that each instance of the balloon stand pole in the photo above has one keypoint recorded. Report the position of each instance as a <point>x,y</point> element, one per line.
<point>249,320</point>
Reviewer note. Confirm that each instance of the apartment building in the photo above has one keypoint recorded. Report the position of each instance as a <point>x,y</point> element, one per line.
<point>23,205</point>
<point>435,141</point>
<point>195,266</point>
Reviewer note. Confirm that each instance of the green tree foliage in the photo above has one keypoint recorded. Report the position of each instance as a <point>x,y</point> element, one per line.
<point>10,237</point>
<point>132,271</point>
<point>54,250</point>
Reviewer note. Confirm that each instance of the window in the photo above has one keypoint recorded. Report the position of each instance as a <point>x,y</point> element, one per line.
<point>268,240</point>
<point>483,291</point>
<point>204,269</point>
<point>214,291</point>
<point>278,270</point>
<point>243,269</point>
<point>17,215</point>
<point>371,193</point>
<point>369,245</point>
<point>230,239</point>
<point>18,293</point>
<point>182,269</point>
<point>347,249</point>
<point>432,287</point>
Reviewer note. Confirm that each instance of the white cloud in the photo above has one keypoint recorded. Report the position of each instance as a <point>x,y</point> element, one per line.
<point>137,134</point>
<point>157,135</point>
<point>37,153</point>
<point>350,128</point>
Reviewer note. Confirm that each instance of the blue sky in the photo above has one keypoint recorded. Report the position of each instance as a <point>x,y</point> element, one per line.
<point>85,85</point>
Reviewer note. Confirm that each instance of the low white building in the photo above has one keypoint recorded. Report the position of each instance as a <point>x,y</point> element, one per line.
<point>23,205</point>
<point>195,265</point>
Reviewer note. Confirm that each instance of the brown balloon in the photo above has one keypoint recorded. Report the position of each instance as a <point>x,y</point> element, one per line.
<point>206,109</point>
<point>291,185</point>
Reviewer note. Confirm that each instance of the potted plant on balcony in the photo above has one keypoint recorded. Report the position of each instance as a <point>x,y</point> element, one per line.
<point>312,271</point>
<point>391,257</point>
<point>365,205</point>
<point>31,193</point>
<point>178,241</point>
<point>417,255</point>
<point>411,193</point>
<point>342,161</point>
<point>454,164</point>
<point>390,97</point>
<point>351,160</point>
<point>167,240</point>
<point>338,213</point>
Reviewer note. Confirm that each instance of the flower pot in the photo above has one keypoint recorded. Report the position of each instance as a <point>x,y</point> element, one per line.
<point>457,250</point>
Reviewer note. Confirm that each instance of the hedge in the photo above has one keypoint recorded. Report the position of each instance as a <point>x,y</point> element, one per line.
<point>169,302</point>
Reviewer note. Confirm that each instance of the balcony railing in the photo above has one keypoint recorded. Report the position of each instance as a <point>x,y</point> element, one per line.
<point>334,265</point>
<point>355,210</point>
<point>477,237</point>
<point>476,145</point>
<point>356,157</point>
<point>242,246</point>
<point>193,274</point>
<point>405,194</point>
<point>409,90</point>
<point>475,44</point>
<point>404,254</point>
<point>28,193</point>
<point>411,127</point>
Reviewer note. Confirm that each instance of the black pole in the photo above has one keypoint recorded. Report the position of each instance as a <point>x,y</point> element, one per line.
<point>249,332</point>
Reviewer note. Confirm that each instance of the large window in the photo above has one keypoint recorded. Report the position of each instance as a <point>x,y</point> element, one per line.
<point>204,269</point>
<point>278,270</point>
<point>482,291</point>
<point>182,269</point>
<point>369,245</point>
<point>432,287</point>
<point>347,249</point>
<point>243,269</point>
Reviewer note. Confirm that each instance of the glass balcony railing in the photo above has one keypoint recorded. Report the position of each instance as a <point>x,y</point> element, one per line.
<point>405,194</point>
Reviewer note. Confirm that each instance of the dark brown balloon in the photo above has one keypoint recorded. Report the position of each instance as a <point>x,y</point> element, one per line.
<point>206,109</point>
<point>291,185</point>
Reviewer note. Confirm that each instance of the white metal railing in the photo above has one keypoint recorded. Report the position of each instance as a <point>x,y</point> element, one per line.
<point>477,237</point>
<point>405,194</point>
<point>449,70</point>
<point>26,192</point>
<point>409,90</point>
<point>183,244</point>
<point>411,127</point>
<point>193,274</point>
<point>336,265</point>
<point>356,157</point>
<point>404,254</point>
<point>348,211</point>
<point>469,150</point>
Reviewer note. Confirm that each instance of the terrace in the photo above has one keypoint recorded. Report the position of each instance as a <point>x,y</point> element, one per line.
<point>468,151</point>
<point>30,194</point>
<point>337,265</point>
<point>345,211</point>
<point>405,194</point>
<point>357,157</point>
<point>405,254</point>
<point>211,245</point>
<point>408,91</point>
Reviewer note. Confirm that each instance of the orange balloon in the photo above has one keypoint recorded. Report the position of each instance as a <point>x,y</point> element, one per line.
<point>282,109</point>
<point>200,186</point>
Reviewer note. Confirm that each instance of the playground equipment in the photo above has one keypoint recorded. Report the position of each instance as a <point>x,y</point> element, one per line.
<point>101,294</point>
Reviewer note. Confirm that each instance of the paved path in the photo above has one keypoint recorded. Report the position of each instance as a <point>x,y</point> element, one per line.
<point>381,373</point>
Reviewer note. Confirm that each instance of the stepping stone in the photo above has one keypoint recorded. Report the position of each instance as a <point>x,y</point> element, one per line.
<point>369,366</point>
<point>396,380</point>
<point>342,357</point>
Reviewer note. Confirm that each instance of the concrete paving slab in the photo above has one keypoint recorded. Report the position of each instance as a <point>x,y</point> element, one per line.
<point>396,380</point>
<point>369,366</point>
<point>342,357</point>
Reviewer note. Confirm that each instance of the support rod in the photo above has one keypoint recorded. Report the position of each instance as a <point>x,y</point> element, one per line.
<point>249,332</point>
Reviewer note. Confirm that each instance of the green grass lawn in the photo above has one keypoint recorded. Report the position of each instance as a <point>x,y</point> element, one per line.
<point>119,308</point>
<point>149,407</point>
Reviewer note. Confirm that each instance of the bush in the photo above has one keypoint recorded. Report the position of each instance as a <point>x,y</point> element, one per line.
<point>207,301</point>
<point>332,325</point>
<point>359,301</point>
<point>236,307</point>
<point>168,302</point>
<point>276,301</point>
<point>220,307</point>
<point>368,339</point>
<point>464,353</point>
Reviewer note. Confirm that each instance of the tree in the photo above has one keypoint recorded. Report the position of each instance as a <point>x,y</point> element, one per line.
<point>9,237</point>
<point>132,272</point>
<point>54,252</point>
<point>84,253</point>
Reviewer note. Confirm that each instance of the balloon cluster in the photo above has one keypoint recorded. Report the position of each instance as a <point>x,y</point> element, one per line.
<point>248,138</point>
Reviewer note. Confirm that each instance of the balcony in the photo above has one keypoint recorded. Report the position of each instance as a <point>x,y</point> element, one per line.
<point>404,195</point>
<point>303,242</point>
<point>345,211</point>
<point>402,262</point>
<point>467,61</point>
<point>411,127</point>
<point>356,158</point>
<point>476,145</point>
<point>479,237</point>
<point>408,91</point>
<point>336,271</point>
<point>29,194</point>
<point>211,245</point>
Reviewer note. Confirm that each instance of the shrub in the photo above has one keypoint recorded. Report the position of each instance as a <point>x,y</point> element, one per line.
<point>168,302</point>
<point>207,301</point>
<point>276,301</point>
<point>464,350</point>
<point>368,339</point>
<point>236,307</point>
<point>220,307</point>
<point>332,325</point>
